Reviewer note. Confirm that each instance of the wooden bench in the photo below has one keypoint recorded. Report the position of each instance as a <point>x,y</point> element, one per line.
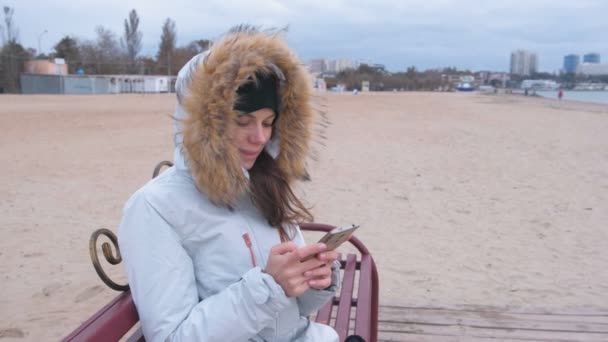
<point>356,302</point>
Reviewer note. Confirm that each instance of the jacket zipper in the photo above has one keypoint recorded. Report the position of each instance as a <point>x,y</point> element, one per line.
<point>249,245</point>
<point>247,240</point>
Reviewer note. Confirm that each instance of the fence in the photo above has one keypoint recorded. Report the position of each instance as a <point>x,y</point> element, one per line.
<point>95,84</point>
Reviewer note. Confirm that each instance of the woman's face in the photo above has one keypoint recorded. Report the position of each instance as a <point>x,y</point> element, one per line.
<point>252,132</point>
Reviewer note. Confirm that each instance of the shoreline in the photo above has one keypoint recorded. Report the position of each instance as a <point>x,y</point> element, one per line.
<point>579,96</point>
<point>569,103</point>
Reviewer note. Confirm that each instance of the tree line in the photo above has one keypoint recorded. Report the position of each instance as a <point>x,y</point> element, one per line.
<point>107,53</point>
<point>440,79</point>
<point>412,79</point>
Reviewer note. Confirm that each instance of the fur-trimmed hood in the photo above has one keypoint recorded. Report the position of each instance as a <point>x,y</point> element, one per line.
<point>206,92</point>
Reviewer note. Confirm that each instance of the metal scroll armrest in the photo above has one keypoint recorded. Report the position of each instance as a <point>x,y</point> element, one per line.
<point>107,253</point>
<point>107,250</point>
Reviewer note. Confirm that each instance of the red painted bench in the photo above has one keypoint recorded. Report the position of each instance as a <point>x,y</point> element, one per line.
<point>357,297</point>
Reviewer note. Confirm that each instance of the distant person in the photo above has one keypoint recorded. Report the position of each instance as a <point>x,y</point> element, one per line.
<point>212,247</point>
<point>560,94</point>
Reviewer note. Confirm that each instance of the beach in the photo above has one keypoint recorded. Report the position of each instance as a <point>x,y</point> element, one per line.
<point>463,199</point>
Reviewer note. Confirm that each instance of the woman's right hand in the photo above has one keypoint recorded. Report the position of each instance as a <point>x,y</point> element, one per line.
<point>285,266</point>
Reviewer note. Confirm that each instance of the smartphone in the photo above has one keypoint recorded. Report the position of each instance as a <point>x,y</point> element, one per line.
<point>335,238</point>
<point>338,236</point>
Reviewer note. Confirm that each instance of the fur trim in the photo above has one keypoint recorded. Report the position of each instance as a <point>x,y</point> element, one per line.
<point>213,158</point>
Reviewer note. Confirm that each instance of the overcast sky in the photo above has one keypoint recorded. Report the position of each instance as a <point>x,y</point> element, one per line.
<point>476,35</point>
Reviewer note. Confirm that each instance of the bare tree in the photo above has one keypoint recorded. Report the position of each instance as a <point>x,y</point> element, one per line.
<point>108,52</point>
<point>102,56</point>
<point>131,42</point>
<point>182,55</point>
<point>67,48</point>
<point>12,55</point>
<point>88,56</point>
<point>12,34</point>
<point>166,48</point>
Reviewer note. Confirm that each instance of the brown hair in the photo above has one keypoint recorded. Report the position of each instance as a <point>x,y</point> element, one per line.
<point>273,196</point>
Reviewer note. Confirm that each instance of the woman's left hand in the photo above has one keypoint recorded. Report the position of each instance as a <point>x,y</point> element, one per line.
<point>320,277</point>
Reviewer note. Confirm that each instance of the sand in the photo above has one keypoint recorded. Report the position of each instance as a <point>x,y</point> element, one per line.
<point>464,199</point>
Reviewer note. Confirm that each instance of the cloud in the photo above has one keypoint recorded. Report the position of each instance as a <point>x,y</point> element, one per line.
<point>467,33</point>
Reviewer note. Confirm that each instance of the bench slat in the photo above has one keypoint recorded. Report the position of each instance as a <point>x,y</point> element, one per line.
<point>324,313</point>
<point>364,299</point>
<point>110,323</point>
<point>138,336</point>
<point>346,293</point>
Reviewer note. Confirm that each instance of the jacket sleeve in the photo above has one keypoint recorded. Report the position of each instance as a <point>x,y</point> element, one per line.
<point>313,299</point>
<point>163,286</point>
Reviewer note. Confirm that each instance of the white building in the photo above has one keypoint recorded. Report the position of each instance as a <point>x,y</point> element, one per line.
<point>539,84</point>
<point>343,64</point>
<point>592,69</point>
<point>319,84</point>
<point>523,63</point>
<point>332,65</point>
<point>139,83</point>
<point>318,65</point>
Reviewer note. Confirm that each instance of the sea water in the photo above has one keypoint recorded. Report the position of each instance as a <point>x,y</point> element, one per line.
<point>582,96</point>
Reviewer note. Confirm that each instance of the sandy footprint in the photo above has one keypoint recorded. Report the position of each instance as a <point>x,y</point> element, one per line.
<point>88,293</point>
<point>50,289</point>
<point>12,332</point>
<point>33,255</point>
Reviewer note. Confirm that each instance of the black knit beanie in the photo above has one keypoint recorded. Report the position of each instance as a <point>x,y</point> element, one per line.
<point>253,96</point>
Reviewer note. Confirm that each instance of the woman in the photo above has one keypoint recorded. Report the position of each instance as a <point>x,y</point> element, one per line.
<point>211,246</point>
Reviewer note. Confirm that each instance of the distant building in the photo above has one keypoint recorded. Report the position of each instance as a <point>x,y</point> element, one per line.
<point>378,66</point>
<point>343,64</point>
<point>593,58</point>
<point>492,78</point>
<point>318,65</point>
<point>523,63</point>
<point>319,84</point>
<point>593,69</point>
<point>95,84</point>
<point>332,65</point>
<point>539,84</point>
<point>365,86</point>
<point>593,86</point>
<point>571,63</point>
<point>46,67</point>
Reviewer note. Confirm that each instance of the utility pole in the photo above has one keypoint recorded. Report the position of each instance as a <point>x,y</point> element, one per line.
<point>39,39</point>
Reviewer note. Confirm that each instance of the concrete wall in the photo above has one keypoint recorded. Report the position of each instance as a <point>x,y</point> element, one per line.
<point>95,84</point>
<point>41,84</point>
<point>86,85</point>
